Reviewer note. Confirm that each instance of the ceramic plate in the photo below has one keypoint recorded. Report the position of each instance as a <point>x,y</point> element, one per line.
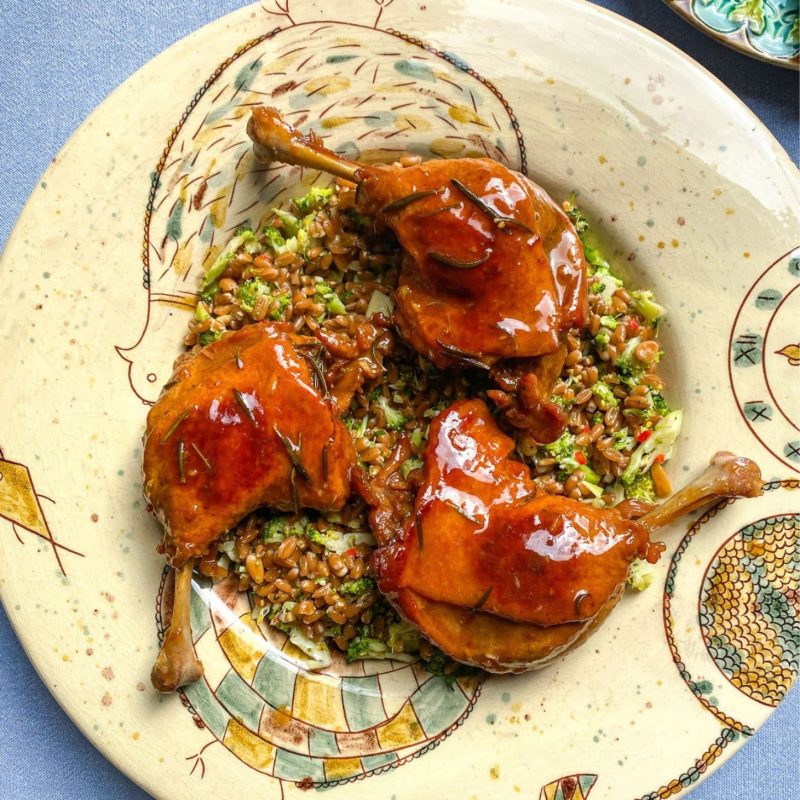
<point>765,29</point>
<point>693,198</point>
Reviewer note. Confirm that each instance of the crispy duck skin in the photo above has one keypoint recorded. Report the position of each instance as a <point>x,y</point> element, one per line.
<point>493,275</point>
<point>240,426</point>
<point>499,574</point>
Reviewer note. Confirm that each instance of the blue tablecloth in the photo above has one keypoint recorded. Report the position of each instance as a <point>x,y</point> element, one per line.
<point>56,65</point>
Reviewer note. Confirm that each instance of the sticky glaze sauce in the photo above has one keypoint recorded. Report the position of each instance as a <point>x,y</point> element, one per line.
<point>547,560</point>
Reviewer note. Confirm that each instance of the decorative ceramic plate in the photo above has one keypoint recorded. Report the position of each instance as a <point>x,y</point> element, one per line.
<point>765,29</point>
<point>693,198</point>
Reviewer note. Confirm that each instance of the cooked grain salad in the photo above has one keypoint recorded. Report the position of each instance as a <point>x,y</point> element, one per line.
<point>326,269</point>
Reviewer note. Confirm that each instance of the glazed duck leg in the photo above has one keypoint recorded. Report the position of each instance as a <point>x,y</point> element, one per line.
<point>494,272</point>
<point>176,663</point>
<point>499,574</point>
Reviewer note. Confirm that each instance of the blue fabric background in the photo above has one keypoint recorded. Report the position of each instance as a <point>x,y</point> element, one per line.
<point>56,64</point>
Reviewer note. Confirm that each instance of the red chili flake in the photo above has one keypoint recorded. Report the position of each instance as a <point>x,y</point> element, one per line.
<point>351,552</point>
<point>659,459</point>
<point>643,435</point>
<point>585,429</point>
<point>633,325</point>
<point>580,457</point>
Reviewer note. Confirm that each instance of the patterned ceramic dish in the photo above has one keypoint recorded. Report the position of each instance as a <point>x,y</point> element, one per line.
<point>765,29</point>
<point>107,252</point>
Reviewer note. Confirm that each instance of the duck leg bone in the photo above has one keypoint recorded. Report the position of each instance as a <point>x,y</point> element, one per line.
<point>275,140</point>
<point>176,663</point>
<point>727,476</point>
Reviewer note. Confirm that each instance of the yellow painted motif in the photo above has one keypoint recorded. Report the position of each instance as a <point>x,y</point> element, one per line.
<point>326,85</point>
<point>18,502</point>
<point>466,115</point>
<point>318,700</point>
<point>338,768</point>
<point>249,747</point>
<point>792,353</point>
<point>402,730</point>
<point>244,646</point>
<point>182,262</point>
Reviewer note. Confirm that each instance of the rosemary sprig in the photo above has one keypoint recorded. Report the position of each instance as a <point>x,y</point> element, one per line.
<point>460,355</point>
<point>582,595</point>
<point>402,202</point>
<point>463,513</point>
<point>319,375</point>
<point>482,599</point>
<point>202,457</point>
<point>442,209</point>
<point>243,403</point>
<point>419,529</point>
<point>501,219</point>
<point>293,483</point>
<point>181,460</point>
<point>172,428</point>
<point>452,261</point>
<point>293,451</point>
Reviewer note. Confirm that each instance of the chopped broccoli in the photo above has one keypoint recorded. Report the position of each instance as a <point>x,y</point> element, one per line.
<point>604,394</point>
<point>439,664</point>
<point>403,638</point>
<point>628,367</point>
<point>338,542</point>
<point>283,301</point>
<point>595,258</point>
<point>660,443</point>
<point>641,488</point>
<point>417,439</point>
<point>291,225</point>
<point>622,439</point>
<point>356,587</point>
<point>641,575</point>
<point>642,302</point>
<point>602,339</point>
<point>409,465</point>
<point>394,419</point>
<point>576,216</point>
<point>317,651</point>
<point>607,321</point>
<point>209,336</point>
<point>334,305</point>
<point>660,405</point>
<point>243,237</point>
<point>249,291</point>
<point>201,313</point>
<point>366,647</point>
<point>275,239</point>
<point>314,200</point>
<point>564,451</point>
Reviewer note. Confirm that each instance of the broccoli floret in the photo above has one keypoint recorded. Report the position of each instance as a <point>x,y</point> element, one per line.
<point>314,200</point>
<point>356,587</point>
<point>604,394</point>
<point>403,638</point>
<point>275,238</point>
<point>364,647</point>
<point>595,258</point>
<point>249,291</point>
<point>394,419</point>
<point>628,367</point>
<point>563,448</point>
<point>641,488</point>
<point>275,530</point>
<point>642,302</point>
<point>209,336</point>
<point>641,575</point>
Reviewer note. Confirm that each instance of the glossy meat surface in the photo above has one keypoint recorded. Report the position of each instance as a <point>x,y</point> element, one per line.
<point>473,283</point>
<point>218,440</point>
<point>482,537</point>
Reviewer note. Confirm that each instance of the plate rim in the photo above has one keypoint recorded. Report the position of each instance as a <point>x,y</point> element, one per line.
<point>40,666</point>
